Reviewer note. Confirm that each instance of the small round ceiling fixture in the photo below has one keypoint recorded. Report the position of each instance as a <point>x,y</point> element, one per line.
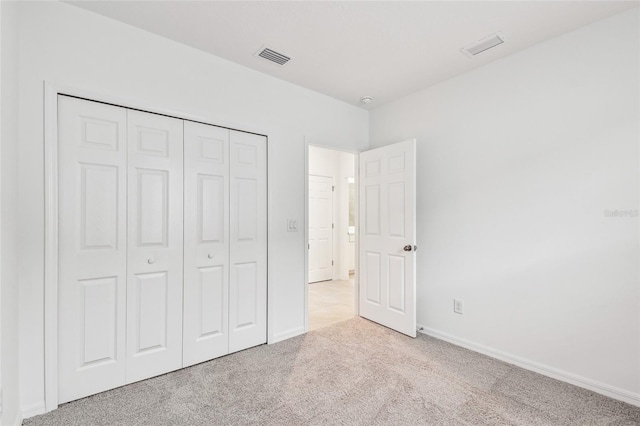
<point>366,100</point>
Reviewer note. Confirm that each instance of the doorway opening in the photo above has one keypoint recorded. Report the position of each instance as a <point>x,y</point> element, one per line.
<point>331,234</point>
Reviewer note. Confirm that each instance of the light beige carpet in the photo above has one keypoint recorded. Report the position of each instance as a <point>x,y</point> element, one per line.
<point>330,302</point>
<point>352,373</point>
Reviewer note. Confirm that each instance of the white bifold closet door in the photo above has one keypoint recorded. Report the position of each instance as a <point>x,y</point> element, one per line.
<point>154,260</point>
<point>225,264</point>
<point>248,241</point>
<point>162,244</point>
<point>120,246</point>
<point>92,247</point>
<point>206,242</point>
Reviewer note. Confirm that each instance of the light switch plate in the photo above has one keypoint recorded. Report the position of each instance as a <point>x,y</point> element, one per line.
<point>458,306</point>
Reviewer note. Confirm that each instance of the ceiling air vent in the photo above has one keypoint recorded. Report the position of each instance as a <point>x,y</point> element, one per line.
<point>272,56</point>
<point>483,45</point>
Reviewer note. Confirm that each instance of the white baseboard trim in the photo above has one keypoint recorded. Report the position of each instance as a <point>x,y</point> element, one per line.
<point>287,334</point>
<point>18,420</point>
<point>555,373</point>
<point>33,410</point>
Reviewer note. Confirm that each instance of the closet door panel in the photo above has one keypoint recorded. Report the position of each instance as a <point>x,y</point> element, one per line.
<point>248,241</point>
<point>155,241</point>
<point>92,247</point>
<point>206,242</point>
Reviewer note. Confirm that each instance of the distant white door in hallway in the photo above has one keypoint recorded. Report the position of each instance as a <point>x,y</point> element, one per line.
<point>320,228</point>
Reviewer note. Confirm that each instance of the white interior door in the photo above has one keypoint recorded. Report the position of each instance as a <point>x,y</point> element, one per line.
<point>248,241</point>
<point>154,261</point>
<point>92,154</point>
<point>387,236</point>
<point>320,228</point>
<point>206,242</point>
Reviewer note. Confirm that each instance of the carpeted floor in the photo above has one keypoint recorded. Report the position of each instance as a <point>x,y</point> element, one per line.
<point>351,373</point>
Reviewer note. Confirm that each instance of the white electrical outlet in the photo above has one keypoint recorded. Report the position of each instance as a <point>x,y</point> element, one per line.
<point>292,225</point>
<point>458,306</point>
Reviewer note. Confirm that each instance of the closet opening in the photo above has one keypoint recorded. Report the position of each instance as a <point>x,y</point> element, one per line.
<point>331,230</point>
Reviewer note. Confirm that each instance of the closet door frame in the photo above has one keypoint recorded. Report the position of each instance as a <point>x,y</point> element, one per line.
<point>51,92</point>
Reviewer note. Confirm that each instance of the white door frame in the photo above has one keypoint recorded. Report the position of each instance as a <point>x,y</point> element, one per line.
<point>51,92</point>
<point>311,141</point>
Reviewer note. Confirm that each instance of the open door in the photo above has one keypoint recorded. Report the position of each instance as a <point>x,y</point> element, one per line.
<point>387,236</point>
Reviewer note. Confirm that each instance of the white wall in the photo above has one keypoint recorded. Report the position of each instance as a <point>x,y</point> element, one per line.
<point>9,357</point>
<point>66,45</point>
<point>338,165</point>
<point>518,161</point>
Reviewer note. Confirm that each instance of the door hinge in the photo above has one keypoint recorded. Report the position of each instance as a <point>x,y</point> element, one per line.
<point>333,225</point>
<point>332,263</point>
<point>308,246</point>
<point>333,188</point>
